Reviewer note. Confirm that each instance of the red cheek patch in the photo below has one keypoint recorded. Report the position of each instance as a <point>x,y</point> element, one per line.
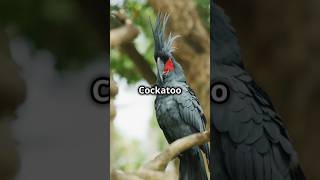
<point>168,66</point>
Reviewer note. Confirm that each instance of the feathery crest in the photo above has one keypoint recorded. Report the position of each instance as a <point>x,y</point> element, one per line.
<point>223,37</point>
<point>162,44</point>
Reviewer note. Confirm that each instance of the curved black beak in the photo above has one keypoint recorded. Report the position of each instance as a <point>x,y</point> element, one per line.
<point>160,68</point>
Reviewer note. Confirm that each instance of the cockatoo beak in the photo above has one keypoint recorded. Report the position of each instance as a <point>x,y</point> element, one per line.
<point>160,67</point>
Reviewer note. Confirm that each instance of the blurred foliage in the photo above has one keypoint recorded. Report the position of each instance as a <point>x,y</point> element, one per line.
<point>204,12</point>
<point>130,154</point>
<point>126,154</point>
<point>64,27</point>
<point>122,65</point>
<point>139,12</point>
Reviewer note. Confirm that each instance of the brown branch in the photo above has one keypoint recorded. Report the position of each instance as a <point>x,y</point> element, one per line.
<point>123,35</point>
<point>140,62</point>
<point>122,38</point>
<point>120,175</point>
<point>155,169</point>
<point>121,16</point>
<point>113,92</point>
<point>113,88</point>
<point>176,148</point>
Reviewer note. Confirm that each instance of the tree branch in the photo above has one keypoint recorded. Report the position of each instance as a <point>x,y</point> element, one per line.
<point>155,169</point>
<point>113,92</point>
<point>122,38</point>
<point>140,62</point>
<point>122,35</point>
<point>176,148</point>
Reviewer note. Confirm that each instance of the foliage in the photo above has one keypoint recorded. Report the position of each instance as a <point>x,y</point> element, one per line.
<point>126,154</point>
<point>139,12</point>
<point>204,12</point>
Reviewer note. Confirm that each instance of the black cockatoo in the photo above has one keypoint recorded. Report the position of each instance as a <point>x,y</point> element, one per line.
<point>178,115</point>
<point>250,142</point>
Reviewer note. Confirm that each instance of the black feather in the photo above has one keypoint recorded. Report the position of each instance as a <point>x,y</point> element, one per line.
<point>249,139</point>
